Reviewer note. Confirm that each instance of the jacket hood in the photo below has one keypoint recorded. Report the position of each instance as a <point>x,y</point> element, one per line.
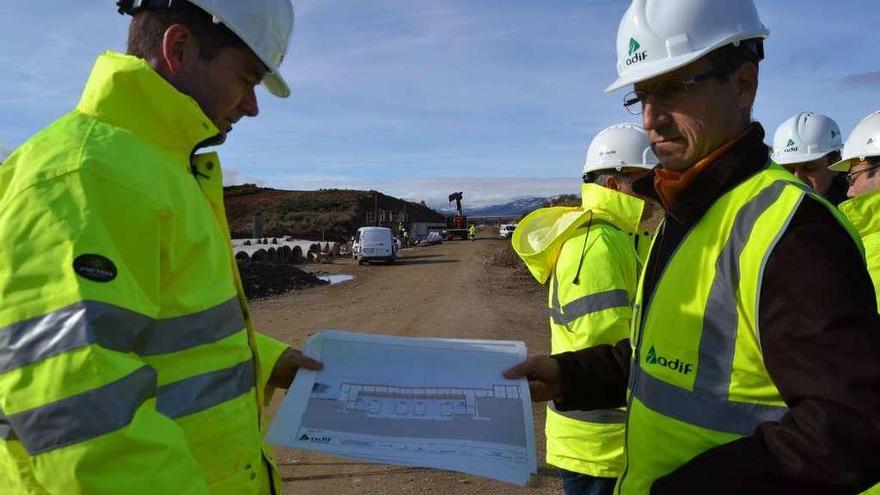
<point>539,236</point>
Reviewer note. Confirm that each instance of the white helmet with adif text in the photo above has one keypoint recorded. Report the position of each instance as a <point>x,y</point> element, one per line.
<point>618,147</point>
<point>804,138</point>
<point>863,142</point>
<point>659,36</point>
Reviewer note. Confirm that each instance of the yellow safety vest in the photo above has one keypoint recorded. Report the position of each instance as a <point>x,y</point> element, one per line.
<point>864,213</point>
<point>593,244</point>
<point>128,362</point>
<point>698,378</point>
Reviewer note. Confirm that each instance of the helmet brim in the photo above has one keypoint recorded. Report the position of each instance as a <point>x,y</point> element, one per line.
<point>842,165</point>
<point>667,65</point>
<point>795,159</point>
<point>276,85</point>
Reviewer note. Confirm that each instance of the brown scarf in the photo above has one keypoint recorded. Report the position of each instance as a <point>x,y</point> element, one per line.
<point>669,184</point>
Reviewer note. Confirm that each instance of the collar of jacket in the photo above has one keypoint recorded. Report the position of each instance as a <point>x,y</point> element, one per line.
<point>747,156</point>
<point>126,92</point>
<point>539,237</point>
<point>864,212</point>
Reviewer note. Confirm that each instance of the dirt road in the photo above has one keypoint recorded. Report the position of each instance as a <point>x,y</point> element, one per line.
<point>438,291</point>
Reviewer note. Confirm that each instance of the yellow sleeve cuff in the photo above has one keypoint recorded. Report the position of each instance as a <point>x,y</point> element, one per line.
<point>268,352</point>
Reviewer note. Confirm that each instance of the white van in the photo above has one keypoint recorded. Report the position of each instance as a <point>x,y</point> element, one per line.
<point>374,244</point>
<point>506,230</point>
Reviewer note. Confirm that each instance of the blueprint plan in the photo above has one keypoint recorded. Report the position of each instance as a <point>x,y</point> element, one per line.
<point>436,403</point>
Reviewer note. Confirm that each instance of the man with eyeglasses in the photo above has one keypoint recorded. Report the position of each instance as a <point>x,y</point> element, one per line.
<point>805,145</point>
<point>861,163</point>
<point>754,364</point>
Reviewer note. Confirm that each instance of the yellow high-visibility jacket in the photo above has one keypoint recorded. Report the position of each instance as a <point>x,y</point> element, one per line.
<point>589,257</point>
<point>698,378</point>
<point>864,213</point>
<point>128,362</point>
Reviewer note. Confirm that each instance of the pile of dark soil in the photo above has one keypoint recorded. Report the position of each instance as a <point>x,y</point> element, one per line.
<point>506,257</point>
<point>264,278</point>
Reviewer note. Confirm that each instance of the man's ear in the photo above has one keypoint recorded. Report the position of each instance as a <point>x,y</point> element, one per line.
<point>746,80</point>
<point>179,48</point>
<point>611,182</point>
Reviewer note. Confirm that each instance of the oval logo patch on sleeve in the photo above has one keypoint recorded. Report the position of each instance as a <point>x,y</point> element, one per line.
<point>94,267</point>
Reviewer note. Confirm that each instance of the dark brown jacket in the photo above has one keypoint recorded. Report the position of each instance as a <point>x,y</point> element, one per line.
<point>820,335</point>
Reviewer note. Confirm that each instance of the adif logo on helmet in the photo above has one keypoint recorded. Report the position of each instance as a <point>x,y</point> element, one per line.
<point>791,146</point>
<point>635,55</point>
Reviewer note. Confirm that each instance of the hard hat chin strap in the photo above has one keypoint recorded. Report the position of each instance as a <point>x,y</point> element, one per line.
<point>132,7</point>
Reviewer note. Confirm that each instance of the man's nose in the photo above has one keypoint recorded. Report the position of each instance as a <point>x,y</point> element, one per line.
<point>249,105</point>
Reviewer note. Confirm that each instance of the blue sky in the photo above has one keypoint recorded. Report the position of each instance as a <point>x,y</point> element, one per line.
<point>498,98</point>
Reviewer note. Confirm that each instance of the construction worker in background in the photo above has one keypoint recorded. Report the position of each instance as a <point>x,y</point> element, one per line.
<point>754,364</point>
<point>405,238</point>
<point>472,232</point>
<point>806,145</point>
<point>861,164</point>
<point>588,257</point>
<point>128,361</point>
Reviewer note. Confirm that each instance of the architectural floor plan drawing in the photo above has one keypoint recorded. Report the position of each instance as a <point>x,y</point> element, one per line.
<point>418,402</point>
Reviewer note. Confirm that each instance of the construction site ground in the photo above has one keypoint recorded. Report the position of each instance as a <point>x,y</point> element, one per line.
<point>450,290</point>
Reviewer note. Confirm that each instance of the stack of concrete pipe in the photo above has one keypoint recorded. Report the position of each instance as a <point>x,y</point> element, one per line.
<point>285,250</point>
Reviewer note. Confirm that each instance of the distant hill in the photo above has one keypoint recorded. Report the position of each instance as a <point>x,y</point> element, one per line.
<point>334,214</point>
<point>523,206</point>
<point>514,208</point>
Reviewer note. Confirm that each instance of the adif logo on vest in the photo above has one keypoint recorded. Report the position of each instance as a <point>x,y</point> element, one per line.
<point>635,55</point>
<point>674,364</point>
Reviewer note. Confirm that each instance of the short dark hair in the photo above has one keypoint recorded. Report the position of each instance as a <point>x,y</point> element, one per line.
<point>148,28</point>
<point>834,157</point>
<point>727,59</point>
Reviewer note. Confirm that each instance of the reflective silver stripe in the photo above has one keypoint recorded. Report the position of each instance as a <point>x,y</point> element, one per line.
<point>701,410</point>
<point>204,391</point>
<point>601,416</point>
<point>599,301</point>
<point>115,328</point>
<point>707,405</point>
<point>583,306</point>
<point>70,328</point>
<point>184,332</point>
<point>720,319</point>
<point>84,416</point>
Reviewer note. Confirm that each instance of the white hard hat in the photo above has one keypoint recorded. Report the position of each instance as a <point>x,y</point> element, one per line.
<point>659,36</point>
<point>805,137</point>
<point>863,142</point>
<point>265,26</point>
<point>619,146</point>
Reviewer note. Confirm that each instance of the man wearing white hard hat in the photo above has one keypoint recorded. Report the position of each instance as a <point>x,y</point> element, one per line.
<point>128,359</point>
<point>587,256</point>
<point>806,145</point>
<point>860,162</point>
<point>754,364</point>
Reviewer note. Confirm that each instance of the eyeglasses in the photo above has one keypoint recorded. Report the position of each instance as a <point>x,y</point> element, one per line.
<point>851,177</point>
<point>668,92</point>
